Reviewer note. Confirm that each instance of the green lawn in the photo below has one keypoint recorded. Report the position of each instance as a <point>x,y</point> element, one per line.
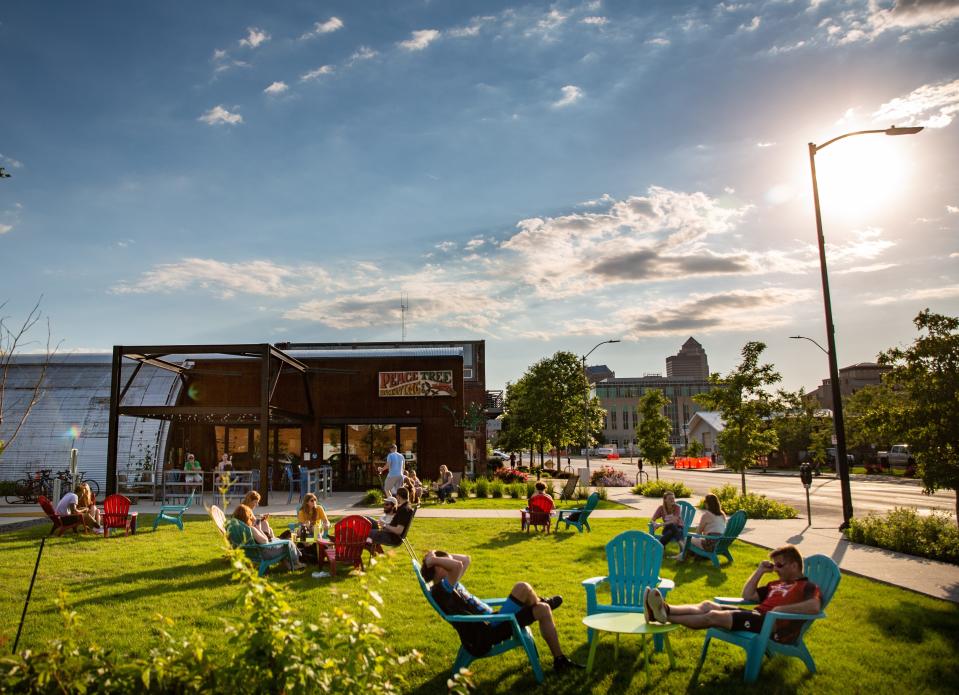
<point>877,638</point>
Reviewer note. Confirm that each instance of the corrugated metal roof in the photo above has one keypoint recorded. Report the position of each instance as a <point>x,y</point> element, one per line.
<point>375,352</point>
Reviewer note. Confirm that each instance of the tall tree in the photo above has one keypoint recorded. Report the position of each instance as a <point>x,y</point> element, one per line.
<point>653,429</point>
<point>745,405</point>
<point>869,415</point>
<point>927,418</point>
<point>517,433</point>
<point>801,427</point>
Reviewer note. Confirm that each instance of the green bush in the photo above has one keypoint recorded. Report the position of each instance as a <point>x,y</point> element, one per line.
<point>601,489</point>
<point>755,506</point>
<point>496,488</point>
<point>658,488</point>
<point>530,488</point>
<point>582,492</point>
<point>550,488</point>
<point>906,531</point>
<point>517,490</point>
<point>270,651</point>
<point>8,487</point>
<point>465,487</point>
<point>481,488</point>
<point>372,498</point>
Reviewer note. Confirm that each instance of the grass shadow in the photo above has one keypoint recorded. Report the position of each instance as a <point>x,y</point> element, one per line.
<point>505,538</point>
<point>694,570</point>
<point>914,623</point>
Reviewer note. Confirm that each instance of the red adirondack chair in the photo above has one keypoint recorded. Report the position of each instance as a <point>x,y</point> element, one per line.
<point>59,525</point>
<point>115,514</point>
<point>349,541</point>
<point>539,512</point>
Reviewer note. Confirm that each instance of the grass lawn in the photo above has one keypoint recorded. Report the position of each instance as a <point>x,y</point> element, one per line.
<point>508,503</point>
<point>877,638</point>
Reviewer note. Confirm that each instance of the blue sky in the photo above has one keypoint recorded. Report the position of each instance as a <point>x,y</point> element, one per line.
<point>540,175</point>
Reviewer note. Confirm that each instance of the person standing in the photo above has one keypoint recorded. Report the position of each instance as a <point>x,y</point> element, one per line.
<point>512,459</point>
<point>395,470</point>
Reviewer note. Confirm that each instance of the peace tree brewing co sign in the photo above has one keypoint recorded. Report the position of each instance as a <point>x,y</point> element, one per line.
<point>436,382</point>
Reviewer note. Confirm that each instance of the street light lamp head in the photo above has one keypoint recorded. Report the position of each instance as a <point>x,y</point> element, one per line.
<point>911,130</point>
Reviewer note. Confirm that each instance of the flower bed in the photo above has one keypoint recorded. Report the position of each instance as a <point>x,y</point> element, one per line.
<point>607,476</point>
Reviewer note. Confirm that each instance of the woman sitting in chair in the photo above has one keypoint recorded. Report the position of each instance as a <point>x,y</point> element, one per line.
<point>672,521</point>
<point>711,523</point>
<point>309,515</point>
<point>415,487</point>
<point>245,515</point>
<point>262,523</point>
<point>80,504</point>
<point>444,488</point>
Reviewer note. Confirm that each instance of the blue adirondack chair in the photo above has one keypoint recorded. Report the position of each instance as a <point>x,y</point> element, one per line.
<point>522,637</point>
<point>173,513</point>
<point>294,481</point>
<point>240,536</point>
<point>688,512</point>
<point>822,572</point>
<point>734,526</point>
<point>580,517</point>
<point>633,560</point>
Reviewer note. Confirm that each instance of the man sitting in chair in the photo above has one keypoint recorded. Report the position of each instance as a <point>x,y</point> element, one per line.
<point>790,593</point>
<point>392,533</point>
<point>445,570</point>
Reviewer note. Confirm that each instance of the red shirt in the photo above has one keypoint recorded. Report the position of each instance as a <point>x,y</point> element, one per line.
<point>785,593</point>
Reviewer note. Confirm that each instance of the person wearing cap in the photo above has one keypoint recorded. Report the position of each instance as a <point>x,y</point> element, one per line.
<point>392,533</point>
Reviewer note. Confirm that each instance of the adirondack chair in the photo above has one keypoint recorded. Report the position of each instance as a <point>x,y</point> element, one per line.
<point>569,489</point>
<point>294,481</point>
<point>59,523</point>
<point>734,526</point>
<point>239,535</point>
<point>522,637</point>
<point>173,513</point>
<point>578,517</point>
<point>822,572</point>
<point>539,513</point>
<point>115,514</point>
<point>633,559</point>
<point>688,513</point>
<point>349,541</point>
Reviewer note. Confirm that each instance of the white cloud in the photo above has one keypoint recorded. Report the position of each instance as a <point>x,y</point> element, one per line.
<point>362,53</point>
<point>11,162</point>
<point>254,37</point>
<point>419,40</point>
<point>472,29</point>
<point>931,105</point>
<point>219,116</point>
<point>219,54</point>
<point>752,26</point>
<point>729,189</point>
<point>765,144</point>
<point>446,245</point>
<point>320,28</point>
<point>551,21</point>
<point>263,278</point>
<point>952,209</point>
<point>954,254</point>
<point>916,295</point>
<point>571,94</point>
<point>658,41</point>
<point>4,228</point>
<point>276,88</point>
<point>866,21</point>
<point>594,21</point>
<point>473,244</point>
<point>789,48</point>
<point>316,73</point>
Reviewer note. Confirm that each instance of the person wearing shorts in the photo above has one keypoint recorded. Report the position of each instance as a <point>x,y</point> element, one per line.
<point>445,570</point>
<point>790,593</point>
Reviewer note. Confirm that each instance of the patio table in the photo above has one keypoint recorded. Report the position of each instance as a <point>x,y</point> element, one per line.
<point>629,624</point>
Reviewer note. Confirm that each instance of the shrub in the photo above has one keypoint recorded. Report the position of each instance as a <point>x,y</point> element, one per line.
<point>658,488</point>
<point>8,487</point>
<point>372,498</point>
<point>481,488</point>
<point>550,487</point>
<point>465,487</point>
<point>906,531</point>
<point>496,488</point>
<point>607,476</point>
<point>602,492</point>
<point>582,492</point>
<point>517,490</point>
<point>269,651</point>
<point>530,488</point>
<point>509,475</point>
<point>755,506</point>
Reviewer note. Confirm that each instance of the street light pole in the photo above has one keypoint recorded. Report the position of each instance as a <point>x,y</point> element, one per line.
<point>842,465</point>
<point>586,397</point>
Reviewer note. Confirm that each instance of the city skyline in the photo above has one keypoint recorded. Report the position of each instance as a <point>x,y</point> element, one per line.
<point>541,176</point>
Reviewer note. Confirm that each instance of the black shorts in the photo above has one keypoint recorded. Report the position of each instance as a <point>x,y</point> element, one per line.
<point>479,638</point>
<point>747,621</point>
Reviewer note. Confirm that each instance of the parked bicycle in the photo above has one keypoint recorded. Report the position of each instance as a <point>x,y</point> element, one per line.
<point>28,490</point>
<point>81,477</point>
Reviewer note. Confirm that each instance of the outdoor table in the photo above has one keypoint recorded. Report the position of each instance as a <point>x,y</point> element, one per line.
<point>629,624</point>
<point>325,550</point>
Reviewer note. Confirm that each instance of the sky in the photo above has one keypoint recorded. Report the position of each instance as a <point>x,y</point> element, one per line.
<point>543,176</point>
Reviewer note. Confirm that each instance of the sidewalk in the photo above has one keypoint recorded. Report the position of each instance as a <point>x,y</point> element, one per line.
<point>936,579</point>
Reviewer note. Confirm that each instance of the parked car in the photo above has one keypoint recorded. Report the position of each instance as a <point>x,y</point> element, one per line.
<point>606,452</point>
<point>501,455</point>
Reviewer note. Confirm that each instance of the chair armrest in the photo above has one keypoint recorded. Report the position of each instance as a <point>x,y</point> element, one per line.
<point>594,581</point>
<point>493,601</point>
<point>779,615</point>
<point>733,601</point>
<point>667,584</point>
<point>490,618</point>
<point>565,512</point>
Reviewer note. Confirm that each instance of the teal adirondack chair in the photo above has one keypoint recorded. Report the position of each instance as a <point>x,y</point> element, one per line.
<point>633,560</point>
<point>689,513</point>
<point>522,637</point>
<point>821,571</point>
<point>734,526</point>
<point>173,513</point>
<point>241,536</point>
<point>581,515</point>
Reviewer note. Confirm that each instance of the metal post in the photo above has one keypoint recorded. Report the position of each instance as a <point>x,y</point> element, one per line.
<point>842,464</point>
<point>586,411</point>
<point>265,365</point>
<point>114,428</point>
<point>26,603</point>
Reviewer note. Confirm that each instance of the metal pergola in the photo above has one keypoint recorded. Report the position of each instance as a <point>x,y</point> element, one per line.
<point>273,362</point>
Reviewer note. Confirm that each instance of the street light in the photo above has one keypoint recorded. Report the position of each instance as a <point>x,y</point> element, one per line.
<point>586,397</point>
<point>842,465</point>
<point>802,337</point>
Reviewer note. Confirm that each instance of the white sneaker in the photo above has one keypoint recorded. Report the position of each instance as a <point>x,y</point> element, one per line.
<point>657,606</point>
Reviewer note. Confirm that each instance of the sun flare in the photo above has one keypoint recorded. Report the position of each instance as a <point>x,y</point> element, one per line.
<point>862,175</point>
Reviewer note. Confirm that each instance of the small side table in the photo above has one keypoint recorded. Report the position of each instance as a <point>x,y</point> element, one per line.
<point>629,624</point>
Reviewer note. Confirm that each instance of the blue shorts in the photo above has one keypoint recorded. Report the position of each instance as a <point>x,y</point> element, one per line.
<point>510,606</point>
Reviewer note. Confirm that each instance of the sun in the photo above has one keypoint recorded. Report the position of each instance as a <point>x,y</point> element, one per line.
<point>860,176</point>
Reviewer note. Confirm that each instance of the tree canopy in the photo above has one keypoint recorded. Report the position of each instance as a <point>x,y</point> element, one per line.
<point>652,432</point>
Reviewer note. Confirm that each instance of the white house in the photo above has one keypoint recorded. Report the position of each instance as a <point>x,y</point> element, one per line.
<point>704,426</point>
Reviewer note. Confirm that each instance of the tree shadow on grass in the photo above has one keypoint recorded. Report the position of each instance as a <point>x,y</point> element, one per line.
<point>913,623</point>
<point>505,538</point>
<point>694,570</point>
<point>776,676</point>
<point>151,583</point>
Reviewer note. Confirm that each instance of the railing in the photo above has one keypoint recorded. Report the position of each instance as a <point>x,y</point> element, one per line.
<point>230,485</point>
<point>137,483</point>
<point>319,481</point>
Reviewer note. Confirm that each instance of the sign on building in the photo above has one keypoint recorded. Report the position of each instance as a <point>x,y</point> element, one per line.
<point>437,382</point>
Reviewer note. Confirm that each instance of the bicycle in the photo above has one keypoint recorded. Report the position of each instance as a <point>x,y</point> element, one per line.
<point>81,477</point>
<point>28,490</point>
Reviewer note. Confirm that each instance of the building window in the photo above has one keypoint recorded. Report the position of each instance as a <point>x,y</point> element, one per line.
<point>612,419</point>
<point>625,419</point>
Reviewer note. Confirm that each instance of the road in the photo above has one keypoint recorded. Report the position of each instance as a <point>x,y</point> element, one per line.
<point>868,495</point>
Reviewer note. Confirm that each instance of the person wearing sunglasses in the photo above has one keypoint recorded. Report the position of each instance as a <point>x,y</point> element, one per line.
<point>791,592</point>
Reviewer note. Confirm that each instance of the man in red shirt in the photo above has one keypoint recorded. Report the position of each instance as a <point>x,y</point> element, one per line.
<point>790,593</point>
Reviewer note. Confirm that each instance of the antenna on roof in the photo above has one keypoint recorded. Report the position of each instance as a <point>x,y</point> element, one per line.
<point>404,307</point>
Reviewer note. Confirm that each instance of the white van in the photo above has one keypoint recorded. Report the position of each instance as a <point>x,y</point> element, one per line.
<point>604,452</point>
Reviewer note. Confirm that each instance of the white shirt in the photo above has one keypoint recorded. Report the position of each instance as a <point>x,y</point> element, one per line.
<point>63,506</point>
<point>712,523</point>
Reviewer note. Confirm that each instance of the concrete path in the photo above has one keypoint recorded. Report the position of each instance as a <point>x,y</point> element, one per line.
<point>936,579</point>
